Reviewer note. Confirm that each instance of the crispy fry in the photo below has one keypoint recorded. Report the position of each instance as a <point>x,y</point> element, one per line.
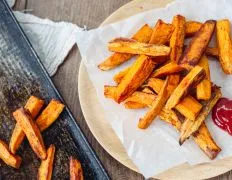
<point>224,45</point>
<point>189,107</point>
<point>198,44</point>
<point>203,90</point>
<point>124,45</point>
<point>10,159</point>
<point>142,35</point>
<point>145,98</point>
<point>161,33</point>
<point>156,107</point>
<point>177,38</point>
<point>33,105</point>
<point>49,114</point>
<point>189,127</point>
<point>134,105</point>
<point>191,79</point>
<point>212,51</point>
<point>76,172</point>
<point>191,27</point>
<point>32,132</point>
<point>136,76</point>
<point>119,76</point>
<point>46,166</point>
<point>202,137</point>
<point>167,69</point>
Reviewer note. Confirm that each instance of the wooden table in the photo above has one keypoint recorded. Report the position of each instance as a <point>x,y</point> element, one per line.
<point>90,13</point>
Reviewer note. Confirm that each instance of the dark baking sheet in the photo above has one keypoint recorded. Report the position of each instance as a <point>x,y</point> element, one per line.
<point>22,75</point>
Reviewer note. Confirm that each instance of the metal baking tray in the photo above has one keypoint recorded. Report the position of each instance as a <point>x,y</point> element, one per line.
<point>22,75</point>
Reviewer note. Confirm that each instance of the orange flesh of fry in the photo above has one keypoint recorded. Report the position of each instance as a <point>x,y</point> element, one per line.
<point>191,27</point>
<point>76,172</point>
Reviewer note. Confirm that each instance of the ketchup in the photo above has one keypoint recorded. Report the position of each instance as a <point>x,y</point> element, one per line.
<point>222,114</point>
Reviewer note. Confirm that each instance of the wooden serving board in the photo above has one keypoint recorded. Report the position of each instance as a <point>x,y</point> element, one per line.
<point>101,129</point>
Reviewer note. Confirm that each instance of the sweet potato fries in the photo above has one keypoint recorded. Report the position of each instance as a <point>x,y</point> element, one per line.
<point>173,81</point>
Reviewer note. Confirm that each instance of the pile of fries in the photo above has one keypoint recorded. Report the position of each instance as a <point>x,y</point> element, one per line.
<point>27,127</point>
<point>170,77</point>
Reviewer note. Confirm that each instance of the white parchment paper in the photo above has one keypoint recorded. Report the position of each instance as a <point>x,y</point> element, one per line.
<point>156,149</point>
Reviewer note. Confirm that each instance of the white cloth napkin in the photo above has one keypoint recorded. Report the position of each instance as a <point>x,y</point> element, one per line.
<point>51,40</point>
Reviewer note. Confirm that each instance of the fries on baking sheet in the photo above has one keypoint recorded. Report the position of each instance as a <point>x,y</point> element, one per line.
<point>173,81</point>
<point>76,171</point>
<point>46,166</point>
<point>10,159</point>
<point>33,105</point>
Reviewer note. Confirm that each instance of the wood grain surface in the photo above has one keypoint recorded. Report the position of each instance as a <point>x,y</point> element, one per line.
<point>90,13</point>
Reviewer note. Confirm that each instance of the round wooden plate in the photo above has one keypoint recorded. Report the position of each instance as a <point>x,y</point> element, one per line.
<point>101,129</point>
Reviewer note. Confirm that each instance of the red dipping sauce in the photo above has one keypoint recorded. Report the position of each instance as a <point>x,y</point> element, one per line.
<point>222,114</point>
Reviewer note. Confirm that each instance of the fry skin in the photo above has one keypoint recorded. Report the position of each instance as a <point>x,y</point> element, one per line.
<point>116,59</point>
<point>161,33</point>
<point>224,45</point>
<point>138,73</point>
<point>33,105</point>
<point>212,51</point>
<point>32,132</point>
<point>46,166</point>
<point>10,159</point>
<point>177,38</point>
<point>191,79</point>
<point>50,114</point>
<point>189,107</point>
<point>191,27</point>
<point>198,44</point>
<point>203,90</point>
<point>76,172</point>
<point>119,76</point>
<point>167,69</point>
<point>189,127</point>
<point>156,107</point>
<point>124,45</point>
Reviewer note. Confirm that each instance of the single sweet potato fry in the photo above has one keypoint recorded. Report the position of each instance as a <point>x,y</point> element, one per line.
<point>191,79</point>
<point>161,33</point>
<point>212,51</point>
<point>116,59</point>
<point>119,76</point>
<point>156,107</point>
<point>10,159</point>
<point>138,73</point>
<point>189,127</point>
<point>198,44</point>
<point>49,114</point>
<point>125,45</point>
<point>189,107</point>
<point>46,166</point>
<point>32,132</point>
<point>33,105</point>
<point>224,45</point>
<point>191,27</point>
<point>155,83</point>
<point>177,38</point>
<point>76,172</point>
<point>109,91</point>
<point>203,90</point>
<point>167,69</point>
